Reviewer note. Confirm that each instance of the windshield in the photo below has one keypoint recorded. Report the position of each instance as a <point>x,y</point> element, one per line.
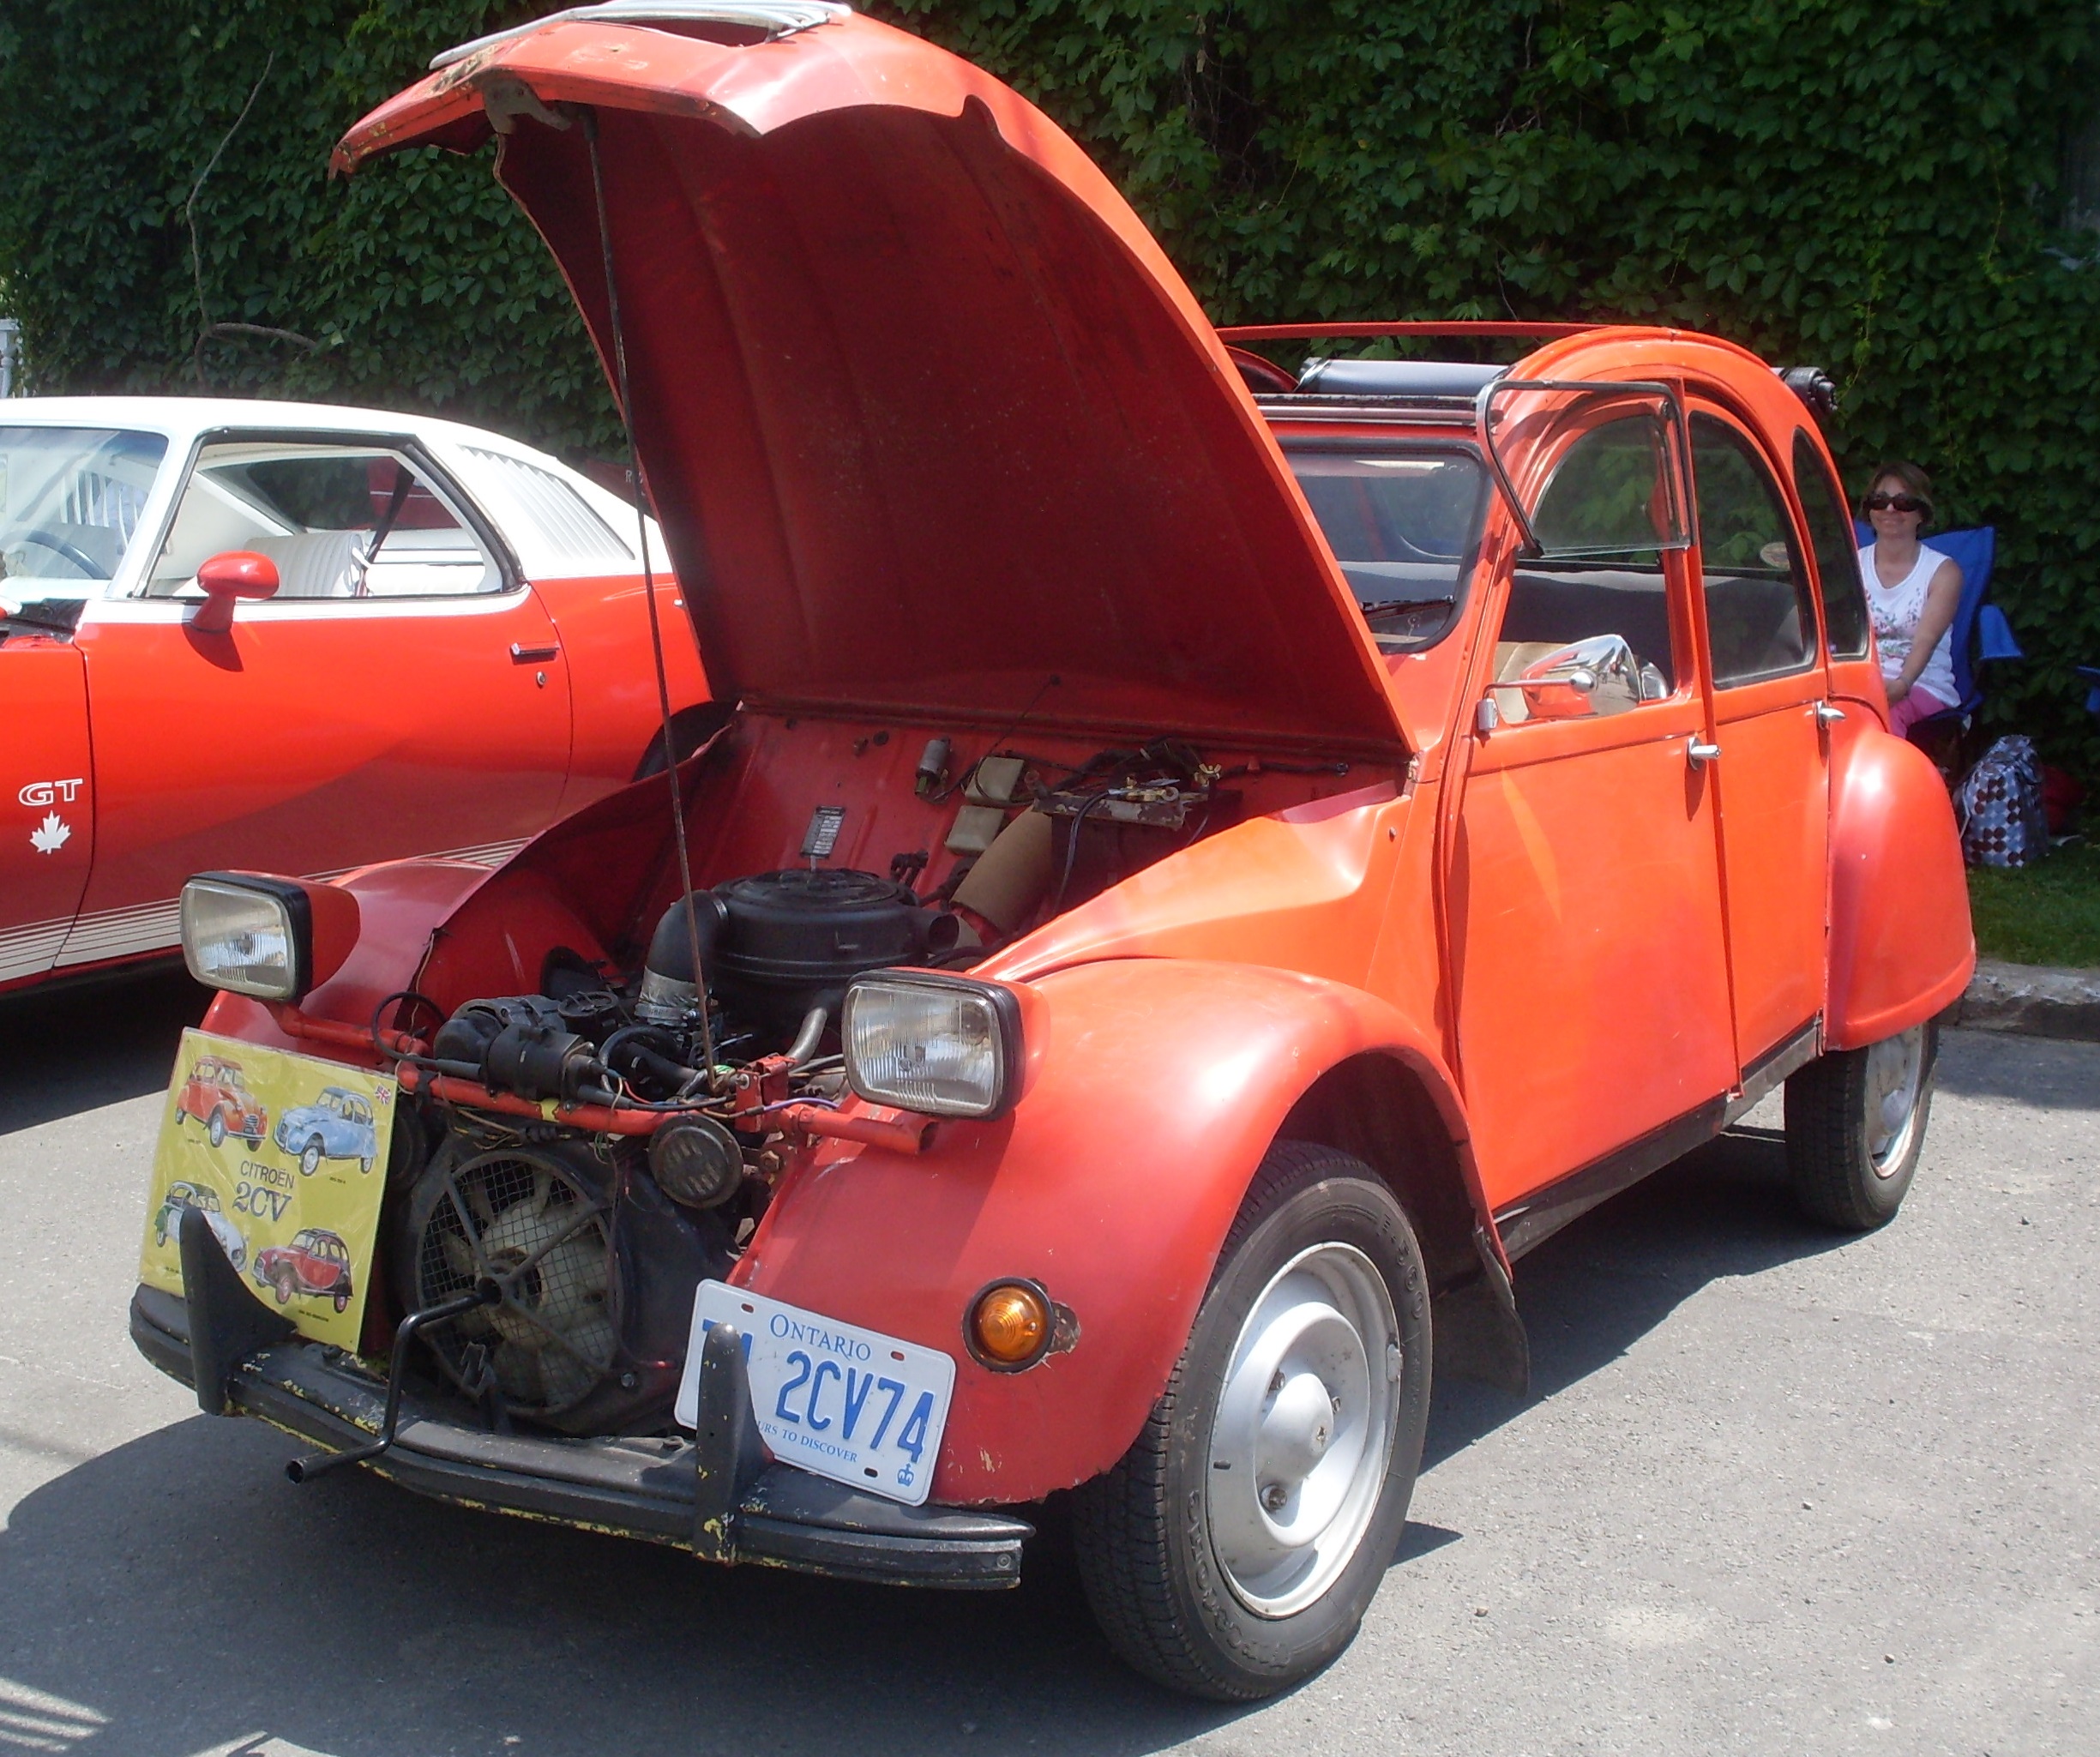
<point>1403,525</point>
<point>71,499</point>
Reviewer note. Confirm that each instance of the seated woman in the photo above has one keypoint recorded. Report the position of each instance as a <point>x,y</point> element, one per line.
<point>1912,590</point>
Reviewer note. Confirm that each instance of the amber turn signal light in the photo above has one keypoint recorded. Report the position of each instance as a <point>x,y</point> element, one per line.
<point>1010,1324</point>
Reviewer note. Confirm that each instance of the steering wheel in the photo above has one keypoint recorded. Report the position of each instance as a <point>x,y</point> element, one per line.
<point>90,569</point>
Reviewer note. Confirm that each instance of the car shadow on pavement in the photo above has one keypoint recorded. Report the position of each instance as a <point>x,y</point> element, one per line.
<point>1594,1289</point>
<point>177,1595</point>
<point>76,1049</point>
<point>2050,1074</point>
<point>180,1596</point>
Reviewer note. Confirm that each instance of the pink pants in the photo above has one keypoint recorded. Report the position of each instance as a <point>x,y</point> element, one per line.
<point>1914,707</point>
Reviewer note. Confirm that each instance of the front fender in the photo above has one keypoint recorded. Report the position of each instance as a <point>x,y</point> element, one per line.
<point>399,905</point>
<point>1154,1087</point>
<point>1901,948</point>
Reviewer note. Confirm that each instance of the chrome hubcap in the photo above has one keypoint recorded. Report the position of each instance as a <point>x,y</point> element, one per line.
<point>1895,1077</point>
<point>1304,1434</point>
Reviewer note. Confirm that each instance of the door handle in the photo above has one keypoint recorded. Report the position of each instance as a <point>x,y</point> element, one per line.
<point>1826,715</point>
<point>1699,753</point>
<point>533,655</point>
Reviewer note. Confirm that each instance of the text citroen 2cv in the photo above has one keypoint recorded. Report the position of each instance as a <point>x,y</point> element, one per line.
<point>1207,868</point>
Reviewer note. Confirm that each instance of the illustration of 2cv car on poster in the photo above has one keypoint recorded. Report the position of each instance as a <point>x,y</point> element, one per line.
<point>1210,864</point>
<point>293,1207</point>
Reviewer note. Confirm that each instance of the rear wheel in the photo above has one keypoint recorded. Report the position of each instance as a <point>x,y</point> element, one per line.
<point>1855,1125</point>
<point>1234,1549</point>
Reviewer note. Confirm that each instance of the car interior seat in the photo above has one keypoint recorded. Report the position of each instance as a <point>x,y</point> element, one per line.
<point>316,563</point>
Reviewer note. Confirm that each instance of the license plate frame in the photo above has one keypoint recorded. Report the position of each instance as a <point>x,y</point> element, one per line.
<point>822,1391</point>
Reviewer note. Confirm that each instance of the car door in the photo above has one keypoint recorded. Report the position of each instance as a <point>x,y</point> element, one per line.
<point>1594,1028</point>
<point>72,501</point>
<point>47,802</point>
<point>402,693</point>
<point>1771,776</point>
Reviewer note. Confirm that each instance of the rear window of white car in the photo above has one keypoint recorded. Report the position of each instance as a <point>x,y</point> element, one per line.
<point>537,506</point>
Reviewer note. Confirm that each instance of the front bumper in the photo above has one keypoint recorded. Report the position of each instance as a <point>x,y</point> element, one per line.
<point>636,1488</point>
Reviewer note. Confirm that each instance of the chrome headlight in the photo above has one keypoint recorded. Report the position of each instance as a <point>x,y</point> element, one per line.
<point>255,934</point>
<point>941,1046</point>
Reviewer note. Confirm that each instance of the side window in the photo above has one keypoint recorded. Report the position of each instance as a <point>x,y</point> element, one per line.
<point>1837,551</point>
<point>572,536</point>
<point>350,520</point>
<point>1760,622</point>
<point>1590,634</point>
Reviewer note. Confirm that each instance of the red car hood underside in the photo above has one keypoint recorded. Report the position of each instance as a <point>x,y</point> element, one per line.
<point>927,415</point>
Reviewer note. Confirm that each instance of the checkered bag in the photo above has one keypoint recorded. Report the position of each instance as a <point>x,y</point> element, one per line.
<point>1999,802</point>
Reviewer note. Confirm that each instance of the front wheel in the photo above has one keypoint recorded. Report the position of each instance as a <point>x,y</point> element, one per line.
<point>1235,1548</point>
<point>1855,1125</point>
<point>310,1160</point>
<point>218,1128</point>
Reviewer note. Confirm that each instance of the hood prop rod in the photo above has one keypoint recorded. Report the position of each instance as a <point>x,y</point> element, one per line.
<point>485,1292</point>
<point>648,582</point>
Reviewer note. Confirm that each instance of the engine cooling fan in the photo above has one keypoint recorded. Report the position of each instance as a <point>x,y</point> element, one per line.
<point>530,1221</point>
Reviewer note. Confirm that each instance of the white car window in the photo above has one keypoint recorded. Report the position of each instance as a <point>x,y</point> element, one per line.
<point>353,521</point>
<point>70,500</point>
<point>542,507</point>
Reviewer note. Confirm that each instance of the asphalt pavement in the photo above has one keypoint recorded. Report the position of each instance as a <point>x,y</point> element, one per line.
<point>1773,1491</point>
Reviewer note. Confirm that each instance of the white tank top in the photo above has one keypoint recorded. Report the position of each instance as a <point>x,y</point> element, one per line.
<point>1896,610</point>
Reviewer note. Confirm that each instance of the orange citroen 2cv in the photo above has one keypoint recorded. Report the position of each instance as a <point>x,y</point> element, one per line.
<point>1209,866</point>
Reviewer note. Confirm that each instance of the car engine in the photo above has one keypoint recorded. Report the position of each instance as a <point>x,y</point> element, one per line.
<point>599,1237</point>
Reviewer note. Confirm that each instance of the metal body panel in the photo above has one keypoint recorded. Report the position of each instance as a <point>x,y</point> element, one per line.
<point>46,801</point>
<point>1901,949</point>
<point>894,342</point>
<point>1154,1087</point>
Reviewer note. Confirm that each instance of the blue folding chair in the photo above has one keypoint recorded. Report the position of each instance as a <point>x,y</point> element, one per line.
<point>1980,631</point>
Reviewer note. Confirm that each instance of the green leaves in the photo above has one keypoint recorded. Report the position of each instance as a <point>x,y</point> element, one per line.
<point>420,282</point>
<point>1867,186</point>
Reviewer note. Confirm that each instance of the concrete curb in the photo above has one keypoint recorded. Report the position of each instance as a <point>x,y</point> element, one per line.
<point>2033,998</point>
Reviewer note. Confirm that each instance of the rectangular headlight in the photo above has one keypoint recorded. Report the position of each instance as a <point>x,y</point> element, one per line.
<point>941,1046</point>
<point>251,935</point>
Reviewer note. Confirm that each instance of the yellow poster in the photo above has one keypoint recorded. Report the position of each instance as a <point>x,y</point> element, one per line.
<point>287,1155</point>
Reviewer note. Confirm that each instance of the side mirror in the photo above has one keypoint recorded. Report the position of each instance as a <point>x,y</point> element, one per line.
<point>1598,676</point>
<point>226,578</point>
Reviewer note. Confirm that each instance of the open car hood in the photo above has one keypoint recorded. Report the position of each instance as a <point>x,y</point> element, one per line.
<point>928,417</point>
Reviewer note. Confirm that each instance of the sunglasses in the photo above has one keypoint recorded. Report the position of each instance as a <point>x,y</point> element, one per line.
<point>1897,503</point>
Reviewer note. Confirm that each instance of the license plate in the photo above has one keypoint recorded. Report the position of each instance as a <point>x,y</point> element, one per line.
<point>831,1398</point>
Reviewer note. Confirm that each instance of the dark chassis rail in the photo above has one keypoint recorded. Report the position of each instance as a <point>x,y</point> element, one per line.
<point>714,1494</point>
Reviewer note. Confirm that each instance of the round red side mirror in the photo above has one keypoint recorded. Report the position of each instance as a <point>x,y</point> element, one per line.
<point>226,578</point>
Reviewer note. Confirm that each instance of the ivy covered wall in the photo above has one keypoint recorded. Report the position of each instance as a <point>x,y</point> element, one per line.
<point>1871,187</point>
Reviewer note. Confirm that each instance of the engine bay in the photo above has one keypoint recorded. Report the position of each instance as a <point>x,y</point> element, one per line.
<point>602,1140</point>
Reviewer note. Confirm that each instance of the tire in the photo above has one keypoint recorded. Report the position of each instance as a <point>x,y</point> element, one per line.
<point>365,1165</point>
<point>1855,1125</point>
<point>285,1284</point>
<point>310,1157</point>
<point>342,1302</point>
<point>1192,1580</point>
<point>217,1129</point>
